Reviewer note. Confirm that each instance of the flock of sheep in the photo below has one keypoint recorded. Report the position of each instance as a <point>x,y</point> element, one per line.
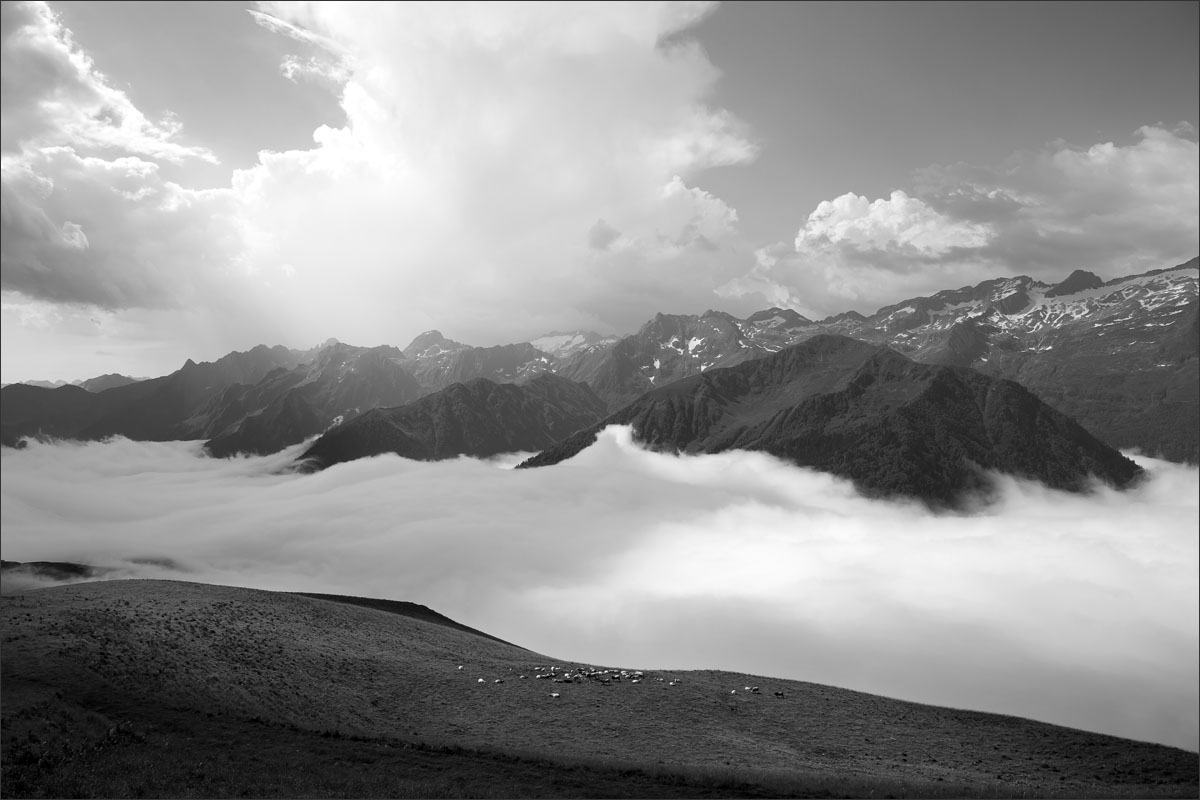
<point>605,677</point>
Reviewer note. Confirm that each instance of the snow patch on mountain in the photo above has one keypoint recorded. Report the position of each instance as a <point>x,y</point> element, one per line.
<point>563,344</point>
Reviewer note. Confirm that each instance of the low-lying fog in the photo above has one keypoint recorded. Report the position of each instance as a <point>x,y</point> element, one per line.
<point>1078,610</point>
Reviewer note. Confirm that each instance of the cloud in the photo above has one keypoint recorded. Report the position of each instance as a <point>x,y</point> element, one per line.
<point>91,228</point>
<point>112,233</point>
<point>602,235</point>
<point>481,146</point>
<point>328,64</point>
<point>1074,609</point>
<point>900,222</point>
<point>54,96</point>
<point>1112,209</point>
<point>478,153</point>
<point>321,69</point>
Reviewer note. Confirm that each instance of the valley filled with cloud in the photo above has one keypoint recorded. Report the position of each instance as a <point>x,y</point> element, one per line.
<point>1075,609</point>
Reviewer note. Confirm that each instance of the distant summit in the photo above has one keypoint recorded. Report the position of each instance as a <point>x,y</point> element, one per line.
<point>105,382</point>
<point>1078,281</point>
<point>779,318</point>
<point>431,343</point>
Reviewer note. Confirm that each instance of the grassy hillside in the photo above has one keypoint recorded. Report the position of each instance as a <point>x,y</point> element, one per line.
<point>163,688</point>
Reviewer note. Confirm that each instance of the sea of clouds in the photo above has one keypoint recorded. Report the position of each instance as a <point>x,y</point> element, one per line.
<point>1079,610</point>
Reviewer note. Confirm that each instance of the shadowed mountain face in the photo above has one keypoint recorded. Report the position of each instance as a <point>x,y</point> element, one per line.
<point>154,409</point>
<point>479,418</point>
<point>289,406</point>
<point>184,689</point>
<point>892,425</point>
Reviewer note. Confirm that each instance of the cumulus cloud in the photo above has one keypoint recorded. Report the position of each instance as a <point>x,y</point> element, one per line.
<point>1112,209</point>
<point>111,233</point>
<point>482,145</point>
<point>900,221</point>
<point>91,228</point>
<point>53,95</point>
<point>1074,609</point>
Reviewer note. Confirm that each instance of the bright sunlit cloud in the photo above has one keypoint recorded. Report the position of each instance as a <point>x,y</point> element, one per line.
<point>1079,610</point>
<point>497,171</point>
<point>53,95</point>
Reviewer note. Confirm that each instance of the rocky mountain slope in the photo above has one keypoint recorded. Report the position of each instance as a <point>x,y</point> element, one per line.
<point>1121,356</point>
<point>167,689</point>
<point>288,406</point>
<point>478,418</point>
<point>266,399</point>
<point>343,381</point>
<point>892,425</point>
<point>665,349</point>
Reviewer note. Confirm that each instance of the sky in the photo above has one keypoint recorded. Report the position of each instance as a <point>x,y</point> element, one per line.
<point>1079,610</point>
<point>185,179</point>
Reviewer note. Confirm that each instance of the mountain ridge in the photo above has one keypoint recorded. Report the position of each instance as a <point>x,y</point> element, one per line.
<point>479,418</point>
<point>892,425</point>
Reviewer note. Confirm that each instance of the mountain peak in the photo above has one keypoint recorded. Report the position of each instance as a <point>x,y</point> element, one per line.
<point>426,338</point>
<point>1078,281</point>
<point>776,316</point>
<point>431,343</point>
<point>845,316</point>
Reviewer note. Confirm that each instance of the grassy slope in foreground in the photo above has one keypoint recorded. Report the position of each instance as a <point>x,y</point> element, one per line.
<point>124,666</point>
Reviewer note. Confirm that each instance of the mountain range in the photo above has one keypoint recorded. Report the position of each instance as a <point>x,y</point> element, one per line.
<point>1122,357</point>
<point>96,384</point>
